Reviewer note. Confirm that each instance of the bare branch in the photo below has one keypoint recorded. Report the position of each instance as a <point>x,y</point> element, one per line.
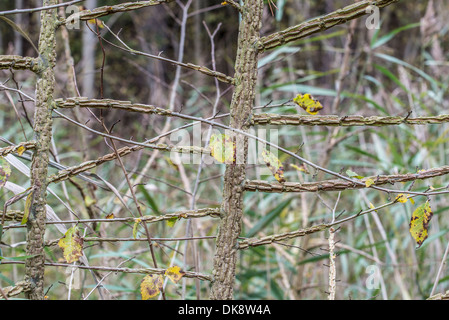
<point>332,120</point>
<point>322,23</point>
<point>218,75</point>
<point>18,63</point>
<point>88,165</point>
<point>14,149</point>
<point>188,274</point>
<point>85,15</point>
<point>279,237</point>
<point>16,215</point>
<point>339,185</point>
<point>31,10</point>
<point>109,103</point>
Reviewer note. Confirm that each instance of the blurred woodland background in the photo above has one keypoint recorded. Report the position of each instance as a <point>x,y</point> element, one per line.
<point>403,66</point>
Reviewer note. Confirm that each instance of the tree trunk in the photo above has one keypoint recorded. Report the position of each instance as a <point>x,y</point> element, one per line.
<point>241,108</point>
<point>43,132</point>
<point>88,60</point>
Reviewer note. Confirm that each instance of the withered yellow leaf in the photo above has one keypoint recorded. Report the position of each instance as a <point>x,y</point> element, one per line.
<point>26,211</point>
<point>301,168</point>
<point>5,171</point>
<point>88,201</point>
<point>174,273</point>
<point>402,198</point>
<point>20,150</point>
<point>419,223</point>
<point>71,244</point>
<point>171,163</point>
<point>274,164</point>
<point>97,22</point>
<point>110,216</point>
<point>369,182</point>
<point>136,224</point>
<point>151,285</point>
<point>172,221</point>
<point>308,103</point>
<point>222,148</point>
<point>352,174</point>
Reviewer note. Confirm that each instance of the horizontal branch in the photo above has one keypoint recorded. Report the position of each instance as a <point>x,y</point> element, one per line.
<point>31,10</point>
<point>13,215</point>
<point>340,185</point>
<point>16,215</point>
<point>254,242</point>
<point>188,274</point>
<point>88,165</point>
<point>332,120</point>
<point>440,296</point>
<point>18,288</point>
<point>99,12</point>
<point>83,102</point>
<point>257,119</point>
<point>87,239</point>
<point>18,63</point>
<point>349,180</point>
<point>322,23</point>
<point>13,149</point>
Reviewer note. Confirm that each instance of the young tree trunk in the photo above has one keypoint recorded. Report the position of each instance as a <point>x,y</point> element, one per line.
<point>241,108</point>
<point>88,54</point>
<point>43,132</point>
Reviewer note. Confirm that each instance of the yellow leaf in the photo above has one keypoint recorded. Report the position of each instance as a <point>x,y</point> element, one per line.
<point>5,171</point>
<point>419,223</point>
<point>171,163</point>
<point>20,150</point>
<point>151,285</point>
<point>174,273</point>
<point>222,148</point>
<point>301,168</point>
<point>97,22</point>
<point>26,212</point>
<point>307,103</point>
<point>136,224</point>
<point>412,201</point>
<point>171,222</point>
<point>352,174</point>
<point>110,216</point>
<point>72,245</point>
<point>369,182</point>
<point>402,198</point>
<point>88,201</point>
<point>274,164</point>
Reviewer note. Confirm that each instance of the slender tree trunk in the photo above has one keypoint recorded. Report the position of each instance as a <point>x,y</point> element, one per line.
<point>88,62</point>
<point>43,131</point>
<point>241,108</point>
<point>18,44</point>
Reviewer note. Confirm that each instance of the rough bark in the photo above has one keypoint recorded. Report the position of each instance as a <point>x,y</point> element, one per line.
<point>42,131</point>
<point>241,107</point>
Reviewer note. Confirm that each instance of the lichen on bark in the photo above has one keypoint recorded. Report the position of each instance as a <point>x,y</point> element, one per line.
<point>241,107</point>
<point>39,165</point>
